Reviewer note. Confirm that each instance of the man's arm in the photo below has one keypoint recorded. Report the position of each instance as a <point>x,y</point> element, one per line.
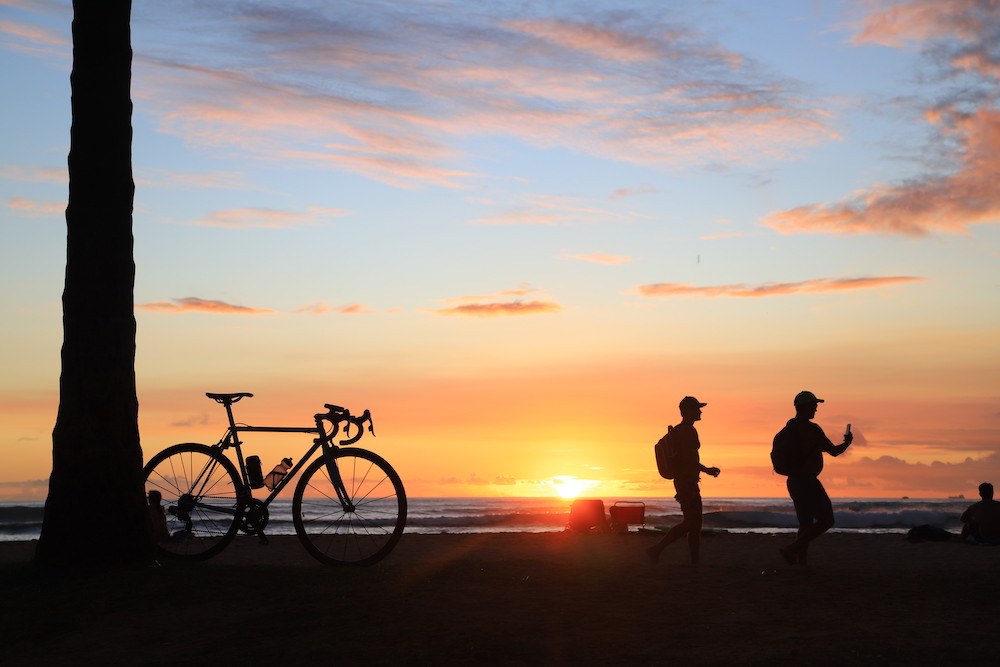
<point>714,472</point>
<point>832,449</point>
<point>967,514</point>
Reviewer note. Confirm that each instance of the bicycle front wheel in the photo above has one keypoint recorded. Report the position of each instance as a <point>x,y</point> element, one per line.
<point>202,498</point>
<point>362,527</point>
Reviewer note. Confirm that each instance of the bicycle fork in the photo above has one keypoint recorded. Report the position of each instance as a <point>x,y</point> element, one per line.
<point>333,470</point>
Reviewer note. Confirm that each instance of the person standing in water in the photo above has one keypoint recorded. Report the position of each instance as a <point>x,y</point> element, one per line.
<point>684,445</point>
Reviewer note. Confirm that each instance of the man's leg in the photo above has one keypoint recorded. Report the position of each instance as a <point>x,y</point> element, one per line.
<point>800,492</point>
<point>814,511</point>
<point>674,534</point>
<point>690,501</point>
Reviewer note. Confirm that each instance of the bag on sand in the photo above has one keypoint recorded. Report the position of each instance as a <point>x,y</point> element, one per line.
<point>666,456</point>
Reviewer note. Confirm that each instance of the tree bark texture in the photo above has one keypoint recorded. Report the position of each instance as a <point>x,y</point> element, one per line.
<point>95,513</point>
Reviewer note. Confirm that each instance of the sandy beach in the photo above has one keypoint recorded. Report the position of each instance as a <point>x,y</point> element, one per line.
<point>519,599</point>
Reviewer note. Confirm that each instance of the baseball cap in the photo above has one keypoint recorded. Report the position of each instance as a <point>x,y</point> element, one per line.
<point>806,397</point>
<point>691,402</point>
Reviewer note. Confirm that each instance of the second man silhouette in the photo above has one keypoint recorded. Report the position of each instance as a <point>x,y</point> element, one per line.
<point>685,446</point>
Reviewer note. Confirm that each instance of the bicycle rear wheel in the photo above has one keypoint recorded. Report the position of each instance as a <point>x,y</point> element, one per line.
<point>203,500</point>
<point>364,527</point>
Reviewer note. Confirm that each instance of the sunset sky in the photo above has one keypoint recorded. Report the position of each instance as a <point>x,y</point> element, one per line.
<point>520,233</point>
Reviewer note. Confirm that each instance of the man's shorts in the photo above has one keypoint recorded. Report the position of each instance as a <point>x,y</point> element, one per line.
<point>812,504</point>
<point>688,494</point>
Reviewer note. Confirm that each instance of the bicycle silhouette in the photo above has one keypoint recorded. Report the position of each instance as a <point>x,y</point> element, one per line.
<point>349,506</point>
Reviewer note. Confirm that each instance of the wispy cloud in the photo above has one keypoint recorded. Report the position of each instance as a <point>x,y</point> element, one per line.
<point>958,39</point>
<point>769,289</point>
<point>600,258</point>
<point>195,304</point>
<point>501,309</point>
<point>389,91</point>
<point>350,309</point>
<point>625,193</point>
<point>244,218</point>
<point>930,204</point>
<point>898,23</point>
<point>499,304</point>
<point>196,420</point>
<point>29,208</point>
<point>33,39</point>
<point>34,174</point>
<point>523,290</point>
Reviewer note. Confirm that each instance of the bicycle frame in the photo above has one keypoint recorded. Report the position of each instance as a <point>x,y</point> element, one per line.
<point>324,441</point>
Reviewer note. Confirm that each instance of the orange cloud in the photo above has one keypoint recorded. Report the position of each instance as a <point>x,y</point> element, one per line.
<point>919,20</point>
<point>769,289</point>
<point>355,309</point>
<point>944,204</point>
<point>33,209</point>
<point>35,174</point>
<point>192,303</point>
<point>500,309</point>
<point>245,218</point>
<point>524,290</point>
<point>351,309</point>
<point>33,35</point>
<point>595,40</point>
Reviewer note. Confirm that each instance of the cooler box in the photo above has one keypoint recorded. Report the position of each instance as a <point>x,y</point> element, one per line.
<point>625,512</point>
<point>586,515</point>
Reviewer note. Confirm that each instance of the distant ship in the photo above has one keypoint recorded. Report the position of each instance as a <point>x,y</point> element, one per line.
<point>960,496</point>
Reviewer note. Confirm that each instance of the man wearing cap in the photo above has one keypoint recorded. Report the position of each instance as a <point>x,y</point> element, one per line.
<point>684,446</point>
<point>813,508</point>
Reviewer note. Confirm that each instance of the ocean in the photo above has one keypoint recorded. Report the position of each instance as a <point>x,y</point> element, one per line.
<point>23,521</point>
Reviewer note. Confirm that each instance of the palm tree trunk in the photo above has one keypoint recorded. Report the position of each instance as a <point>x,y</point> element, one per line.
<point>95,513</point>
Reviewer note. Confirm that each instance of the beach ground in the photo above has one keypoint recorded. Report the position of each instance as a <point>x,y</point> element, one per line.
<point>518,599</point>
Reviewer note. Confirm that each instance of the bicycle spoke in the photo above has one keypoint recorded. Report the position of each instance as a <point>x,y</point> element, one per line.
<point>363,530</point>
<point>201,500</point>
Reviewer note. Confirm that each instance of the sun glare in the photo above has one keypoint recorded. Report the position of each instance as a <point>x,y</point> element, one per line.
<point>570,487</point>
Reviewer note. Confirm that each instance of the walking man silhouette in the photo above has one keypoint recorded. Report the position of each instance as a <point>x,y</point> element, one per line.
<point>685,446</point>
<point>804,443</point>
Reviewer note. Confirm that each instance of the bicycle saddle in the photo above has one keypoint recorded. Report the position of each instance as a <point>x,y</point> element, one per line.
<point>230,398</point>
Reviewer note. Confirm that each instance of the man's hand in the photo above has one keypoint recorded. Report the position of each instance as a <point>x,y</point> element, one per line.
<point>714,472</point>
<point>848,438</point>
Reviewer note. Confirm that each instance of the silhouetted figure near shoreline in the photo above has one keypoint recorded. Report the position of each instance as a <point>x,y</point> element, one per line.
<point>158,517</point>
<point>981,521</point>
<point>798,453</point>
<point>684,445</point>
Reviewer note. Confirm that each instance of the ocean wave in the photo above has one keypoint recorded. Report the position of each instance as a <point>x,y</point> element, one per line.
<point>482,515</point>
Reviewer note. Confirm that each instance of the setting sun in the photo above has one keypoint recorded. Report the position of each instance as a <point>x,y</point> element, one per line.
<point>570,487</point>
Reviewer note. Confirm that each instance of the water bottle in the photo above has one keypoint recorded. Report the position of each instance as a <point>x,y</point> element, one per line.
<point>275,476</point>
<point>254,473</point>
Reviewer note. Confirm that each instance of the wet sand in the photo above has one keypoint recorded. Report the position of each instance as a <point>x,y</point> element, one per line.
<point>519,599</point>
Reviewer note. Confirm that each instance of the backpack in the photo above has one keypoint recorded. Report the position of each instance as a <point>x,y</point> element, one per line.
<point>785,454</point>
<point>666,456</point>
